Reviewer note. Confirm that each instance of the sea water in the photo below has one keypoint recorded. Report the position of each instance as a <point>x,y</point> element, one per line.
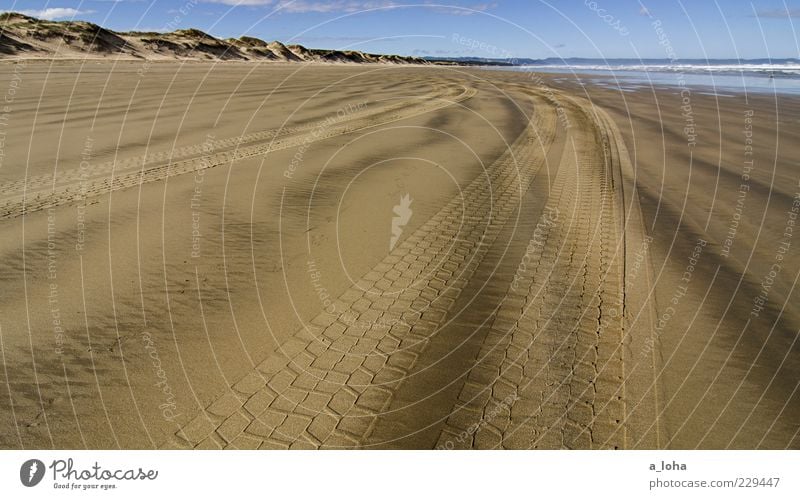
<point>717,78</point>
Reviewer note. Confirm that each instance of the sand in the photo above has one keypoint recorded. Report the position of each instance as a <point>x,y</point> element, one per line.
<point>220,255</point>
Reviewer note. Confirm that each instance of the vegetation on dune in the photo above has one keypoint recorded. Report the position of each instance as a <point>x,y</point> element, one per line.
<point>56,37</point>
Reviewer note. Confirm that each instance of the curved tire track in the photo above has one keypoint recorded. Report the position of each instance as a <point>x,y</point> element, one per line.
<point>328,385</point>
<point>551,372</point>
<point>43,191</point>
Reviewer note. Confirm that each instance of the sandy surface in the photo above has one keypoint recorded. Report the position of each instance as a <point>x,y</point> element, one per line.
<point>728,348</point>
<point>212,255</point>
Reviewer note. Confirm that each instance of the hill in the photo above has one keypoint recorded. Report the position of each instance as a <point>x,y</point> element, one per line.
<point>23,36</point>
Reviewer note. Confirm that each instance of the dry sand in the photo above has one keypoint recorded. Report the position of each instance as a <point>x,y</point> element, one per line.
<point>202,255</point>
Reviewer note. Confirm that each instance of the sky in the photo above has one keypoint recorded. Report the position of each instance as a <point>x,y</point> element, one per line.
<point>680,29</point>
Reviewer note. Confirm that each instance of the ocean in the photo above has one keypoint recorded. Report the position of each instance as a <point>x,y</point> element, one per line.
<point>779,76</point>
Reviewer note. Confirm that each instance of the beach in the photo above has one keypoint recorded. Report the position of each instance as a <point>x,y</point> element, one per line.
<point>268,255</point>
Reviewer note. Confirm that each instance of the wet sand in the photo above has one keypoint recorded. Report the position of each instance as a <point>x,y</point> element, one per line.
<point>728,348</point>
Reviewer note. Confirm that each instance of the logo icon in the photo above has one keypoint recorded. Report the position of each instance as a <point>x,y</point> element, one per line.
<point>403,212</point>
<point>31,472</point>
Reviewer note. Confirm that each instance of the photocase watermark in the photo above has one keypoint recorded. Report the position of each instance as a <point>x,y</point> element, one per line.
<point>546,222</point>
<point>8,101</point>
<point>321,291</point>
<point>538,81</point>
<point>551,96</point>
<point>346,316</point>
<point>680,291</point>
<point>83,187</point>
<point>67,476</point>
<point>760,301</point>
<point>687,113</point>
<point>403,213</point>
<point>179,14</point>
<point>51,263</point>
<point>614,22</point>
<point>481,46</point>
<point>465,435</point>
<point>632,273</point>
<point>173,24</point>
<point>315,135</point>
<point>744,186</point>
<point>169,407</point>
<point>197,195</point>
<point>31,472</point>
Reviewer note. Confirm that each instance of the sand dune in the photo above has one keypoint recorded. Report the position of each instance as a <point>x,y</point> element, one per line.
<point>23,36</point>
<point>319,256</point>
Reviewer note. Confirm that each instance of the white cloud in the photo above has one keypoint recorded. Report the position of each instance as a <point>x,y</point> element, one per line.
<point>303,6</point>
<point>467,10</point>
<point>55,13</point>
<point>349,6</point>
<point>250,3</point>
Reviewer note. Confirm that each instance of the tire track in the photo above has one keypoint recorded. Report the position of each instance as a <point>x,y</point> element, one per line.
<point>41,192</point>
<point>428,395</point>
<point>550,373</point>
<point>643,425</point>
<point>330,383</point>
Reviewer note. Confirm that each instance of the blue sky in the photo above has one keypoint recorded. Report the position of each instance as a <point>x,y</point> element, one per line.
<point>481,28</point>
